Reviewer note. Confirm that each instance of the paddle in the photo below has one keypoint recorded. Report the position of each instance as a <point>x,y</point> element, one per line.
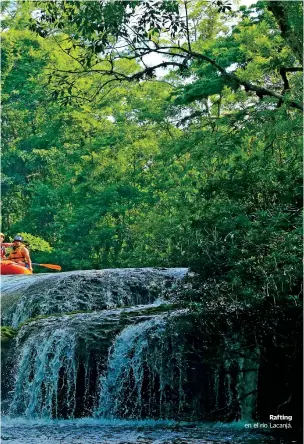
<point>54,267</point>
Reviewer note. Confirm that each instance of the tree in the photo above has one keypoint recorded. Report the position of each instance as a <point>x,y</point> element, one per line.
<point>188,169</point>
<point>129,31</point>
<point>290,18</point>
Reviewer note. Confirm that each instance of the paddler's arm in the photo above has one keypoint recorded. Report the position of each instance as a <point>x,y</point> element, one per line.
<point>26,255</point>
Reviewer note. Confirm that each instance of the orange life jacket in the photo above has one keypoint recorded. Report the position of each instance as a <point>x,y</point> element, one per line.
<point>16,254</point>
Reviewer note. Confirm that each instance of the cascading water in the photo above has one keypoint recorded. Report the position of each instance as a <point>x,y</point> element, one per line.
<point>27,297</point>
<point>46,375</point>
<point>125,357</point>
<point>144,373</point>
<point>60,360</point>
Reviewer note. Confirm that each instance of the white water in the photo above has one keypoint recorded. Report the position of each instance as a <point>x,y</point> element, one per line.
<point>25,297</point>
<point>144,371</point>
<point>48,355</point>
<point>44,364</point>
<point>90,431</point>
<point>131,352</point>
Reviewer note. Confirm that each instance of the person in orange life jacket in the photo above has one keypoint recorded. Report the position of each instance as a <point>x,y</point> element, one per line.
<point>3,255</point>
<point>20,253</point>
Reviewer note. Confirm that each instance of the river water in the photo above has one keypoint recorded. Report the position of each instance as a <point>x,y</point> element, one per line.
<point>100,335</point>
<point>92,431</point>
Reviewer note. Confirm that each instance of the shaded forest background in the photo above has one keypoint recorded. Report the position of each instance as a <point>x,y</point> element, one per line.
<point>191,158</point>
<point>167,134</point>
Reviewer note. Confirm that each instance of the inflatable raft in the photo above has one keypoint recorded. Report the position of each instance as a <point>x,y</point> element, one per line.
<point>10,267</point>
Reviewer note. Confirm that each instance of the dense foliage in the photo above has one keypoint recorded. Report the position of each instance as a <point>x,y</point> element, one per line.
<point>167,134</point>
<point>190,157</point>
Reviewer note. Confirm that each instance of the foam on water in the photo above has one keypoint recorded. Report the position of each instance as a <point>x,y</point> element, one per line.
<point>25,297</point>
<point>120,358</point>
<point>102,431</point>
<point>144,373</point>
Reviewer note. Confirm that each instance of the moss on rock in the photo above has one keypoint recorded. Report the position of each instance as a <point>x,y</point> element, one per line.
<point>7,334</point>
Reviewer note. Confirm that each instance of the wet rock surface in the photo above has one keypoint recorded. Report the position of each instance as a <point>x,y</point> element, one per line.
<point>25,297</point>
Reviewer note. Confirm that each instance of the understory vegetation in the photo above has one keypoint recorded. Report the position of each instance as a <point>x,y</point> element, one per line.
<point>167,134</point>
<point>171,140</point>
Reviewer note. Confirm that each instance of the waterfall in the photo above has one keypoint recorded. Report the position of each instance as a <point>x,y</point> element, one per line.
<point>66,367</point>
<point>27,297</point>
<point>127,356</point>
<point>144,373</point>
<point>46,376</point>
<point>58,361</point>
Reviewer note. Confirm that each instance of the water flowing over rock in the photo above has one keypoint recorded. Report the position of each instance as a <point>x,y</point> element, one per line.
<point>127,355</point>
<point>25,297</point>
<point>144,373</point>
<point>59,360</point>
<point>46,367</point>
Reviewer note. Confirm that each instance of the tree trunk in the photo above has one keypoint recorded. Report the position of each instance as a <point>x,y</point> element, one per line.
<point>284,13</point>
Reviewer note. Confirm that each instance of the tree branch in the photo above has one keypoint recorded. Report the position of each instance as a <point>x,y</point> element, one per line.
<point>280,11</point>
<point>187,26</point>
<point>260,91</point>
<point>286,87</point>
<point>186,53</point>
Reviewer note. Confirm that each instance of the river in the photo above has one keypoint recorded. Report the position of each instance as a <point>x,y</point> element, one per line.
<point>91,431</point>
<point>94,353</point>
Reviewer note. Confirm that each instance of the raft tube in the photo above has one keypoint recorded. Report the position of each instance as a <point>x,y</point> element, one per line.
<point>10,267</point>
